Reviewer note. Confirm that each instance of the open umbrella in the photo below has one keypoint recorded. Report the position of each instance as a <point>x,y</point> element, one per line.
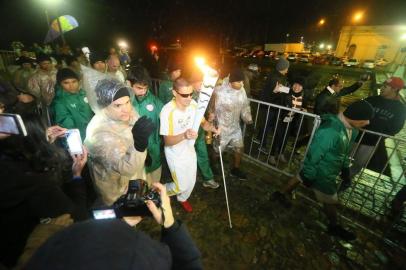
<point>67,23</point>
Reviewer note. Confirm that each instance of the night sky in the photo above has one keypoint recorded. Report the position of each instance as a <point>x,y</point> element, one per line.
<point>204,23</point>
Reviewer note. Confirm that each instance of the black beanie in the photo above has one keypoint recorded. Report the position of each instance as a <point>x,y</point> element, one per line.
<point>109,89</point>
<point>299,80</point>
<point>122,92</point>
<point>66,73</point>
<point>359,110</point>
<point>96,57</point>
<point>236,75</point>
<point>174,65</point>
<point>43,57</point>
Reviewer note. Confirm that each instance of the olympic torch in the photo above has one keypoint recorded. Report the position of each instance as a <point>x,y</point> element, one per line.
<point>210,77</point>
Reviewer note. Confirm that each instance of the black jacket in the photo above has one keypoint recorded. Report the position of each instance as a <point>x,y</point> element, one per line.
<point>270,84</point>
<point>327,102</point>
<point>113,244</point>
<point>389,118</point>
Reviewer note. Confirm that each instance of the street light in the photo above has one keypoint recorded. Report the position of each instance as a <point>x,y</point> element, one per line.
<point>321,22</point>
<point>329,47</point>
<point>321,46</point>
<point>358,16</point>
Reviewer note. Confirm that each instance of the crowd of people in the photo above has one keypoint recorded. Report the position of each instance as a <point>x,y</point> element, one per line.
<point>130,133</point>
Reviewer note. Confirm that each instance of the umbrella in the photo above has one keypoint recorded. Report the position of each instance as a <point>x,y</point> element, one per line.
<point>67,23</point>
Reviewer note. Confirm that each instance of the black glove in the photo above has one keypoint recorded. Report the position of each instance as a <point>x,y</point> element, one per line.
<point>142,129</point>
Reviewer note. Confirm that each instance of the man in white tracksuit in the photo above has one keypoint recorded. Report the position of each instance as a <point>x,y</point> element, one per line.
<point>177,118</point>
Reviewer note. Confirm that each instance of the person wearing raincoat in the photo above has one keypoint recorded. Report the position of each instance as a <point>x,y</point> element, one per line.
<point>230,104</point>
<point>116,137</point>
<point>146,104</point>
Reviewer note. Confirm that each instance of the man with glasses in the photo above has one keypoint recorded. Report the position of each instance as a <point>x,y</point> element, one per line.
<point>177,118</point>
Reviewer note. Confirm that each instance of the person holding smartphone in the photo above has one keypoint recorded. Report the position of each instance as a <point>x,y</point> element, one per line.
<point>35,187</point>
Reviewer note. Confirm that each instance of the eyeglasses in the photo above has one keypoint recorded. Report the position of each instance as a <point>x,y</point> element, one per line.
<point>185,95</point>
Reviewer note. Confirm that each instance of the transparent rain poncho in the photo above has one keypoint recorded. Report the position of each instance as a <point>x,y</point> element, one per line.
<point>230,106</point>
<point>106,85</point>
<point>113,159</point>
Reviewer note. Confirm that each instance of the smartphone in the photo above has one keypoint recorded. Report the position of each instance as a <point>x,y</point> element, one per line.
<point>74,141</point>
<point>12,124</point>
<point>103,213</point>
<point>283,89</point>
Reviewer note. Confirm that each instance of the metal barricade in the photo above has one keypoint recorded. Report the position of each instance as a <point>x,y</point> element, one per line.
<point>378,172</point>
<point>289,132</point>
<point>7,58</point>
<point>282,145</point>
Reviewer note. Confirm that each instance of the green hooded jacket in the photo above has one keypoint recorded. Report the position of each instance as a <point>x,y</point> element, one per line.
<point>72,110</point>
<point>151,106</point>
<point>165,90</point>
<point>328,154</point>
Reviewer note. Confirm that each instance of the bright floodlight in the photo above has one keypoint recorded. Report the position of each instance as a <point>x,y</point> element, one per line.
<point>122,44</point>
<point>358,16</point>
<point>321,46</point>
<point>200,61</point>
<point>329,47</point>
<point>322,21</point>
<point>403,36</point>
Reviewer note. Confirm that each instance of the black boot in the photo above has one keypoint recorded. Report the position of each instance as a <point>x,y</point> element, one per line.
<point>337,230</point>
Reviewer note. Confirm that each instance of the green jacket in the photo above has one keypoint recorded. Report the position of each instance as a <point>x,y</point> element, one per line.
<point>151,106</point>
<point>72,110</point>
<point>328,154</point>
<point>165,90</point>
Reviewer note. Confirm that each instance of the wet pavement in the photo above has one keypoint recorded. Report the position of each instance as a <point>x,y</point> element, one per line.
<point>267,236</point>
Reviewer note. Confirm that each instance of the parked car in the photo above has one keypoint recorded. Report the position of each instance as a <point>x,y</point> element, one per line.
<point>292,57</point>
<point>304,58</point>
<point>279,55</point>
<point>381,62</point>
<point>336,61</point>
<point>270,54</point>
<point>369,64</point>
<point>319,60</point>
<point>351,63</point>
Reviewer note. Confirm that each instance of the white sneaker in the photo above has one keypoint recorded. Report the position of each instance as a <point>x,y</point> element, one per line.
<point>211,184</point>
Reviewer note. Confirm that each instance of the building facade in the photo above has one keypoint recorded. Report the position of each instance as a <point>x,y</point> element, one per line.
<point>373,42</point>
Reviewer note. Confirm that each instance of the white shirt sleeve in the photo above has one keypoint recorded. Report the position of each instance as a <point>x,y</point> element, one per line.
<point>164,119</point>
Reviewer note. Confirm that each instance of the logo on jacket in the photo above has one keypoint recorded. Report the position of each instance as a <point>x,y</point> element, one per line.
<point>85,100</point>
<point>150,107</point>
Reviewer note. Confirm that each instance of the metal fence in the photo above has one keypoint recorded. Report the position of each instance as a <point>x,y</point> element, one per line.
<point>280,138</point>
<point>7,58</point>
<point>378,178</point>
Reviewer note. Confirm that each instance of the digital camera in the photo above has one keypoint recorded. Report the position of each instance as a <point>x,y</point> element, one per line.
<point>130,204</point>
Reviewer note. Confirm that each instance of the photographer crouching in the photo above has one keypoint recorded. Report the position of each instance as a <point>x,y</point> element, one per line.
<point>114,244</point>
